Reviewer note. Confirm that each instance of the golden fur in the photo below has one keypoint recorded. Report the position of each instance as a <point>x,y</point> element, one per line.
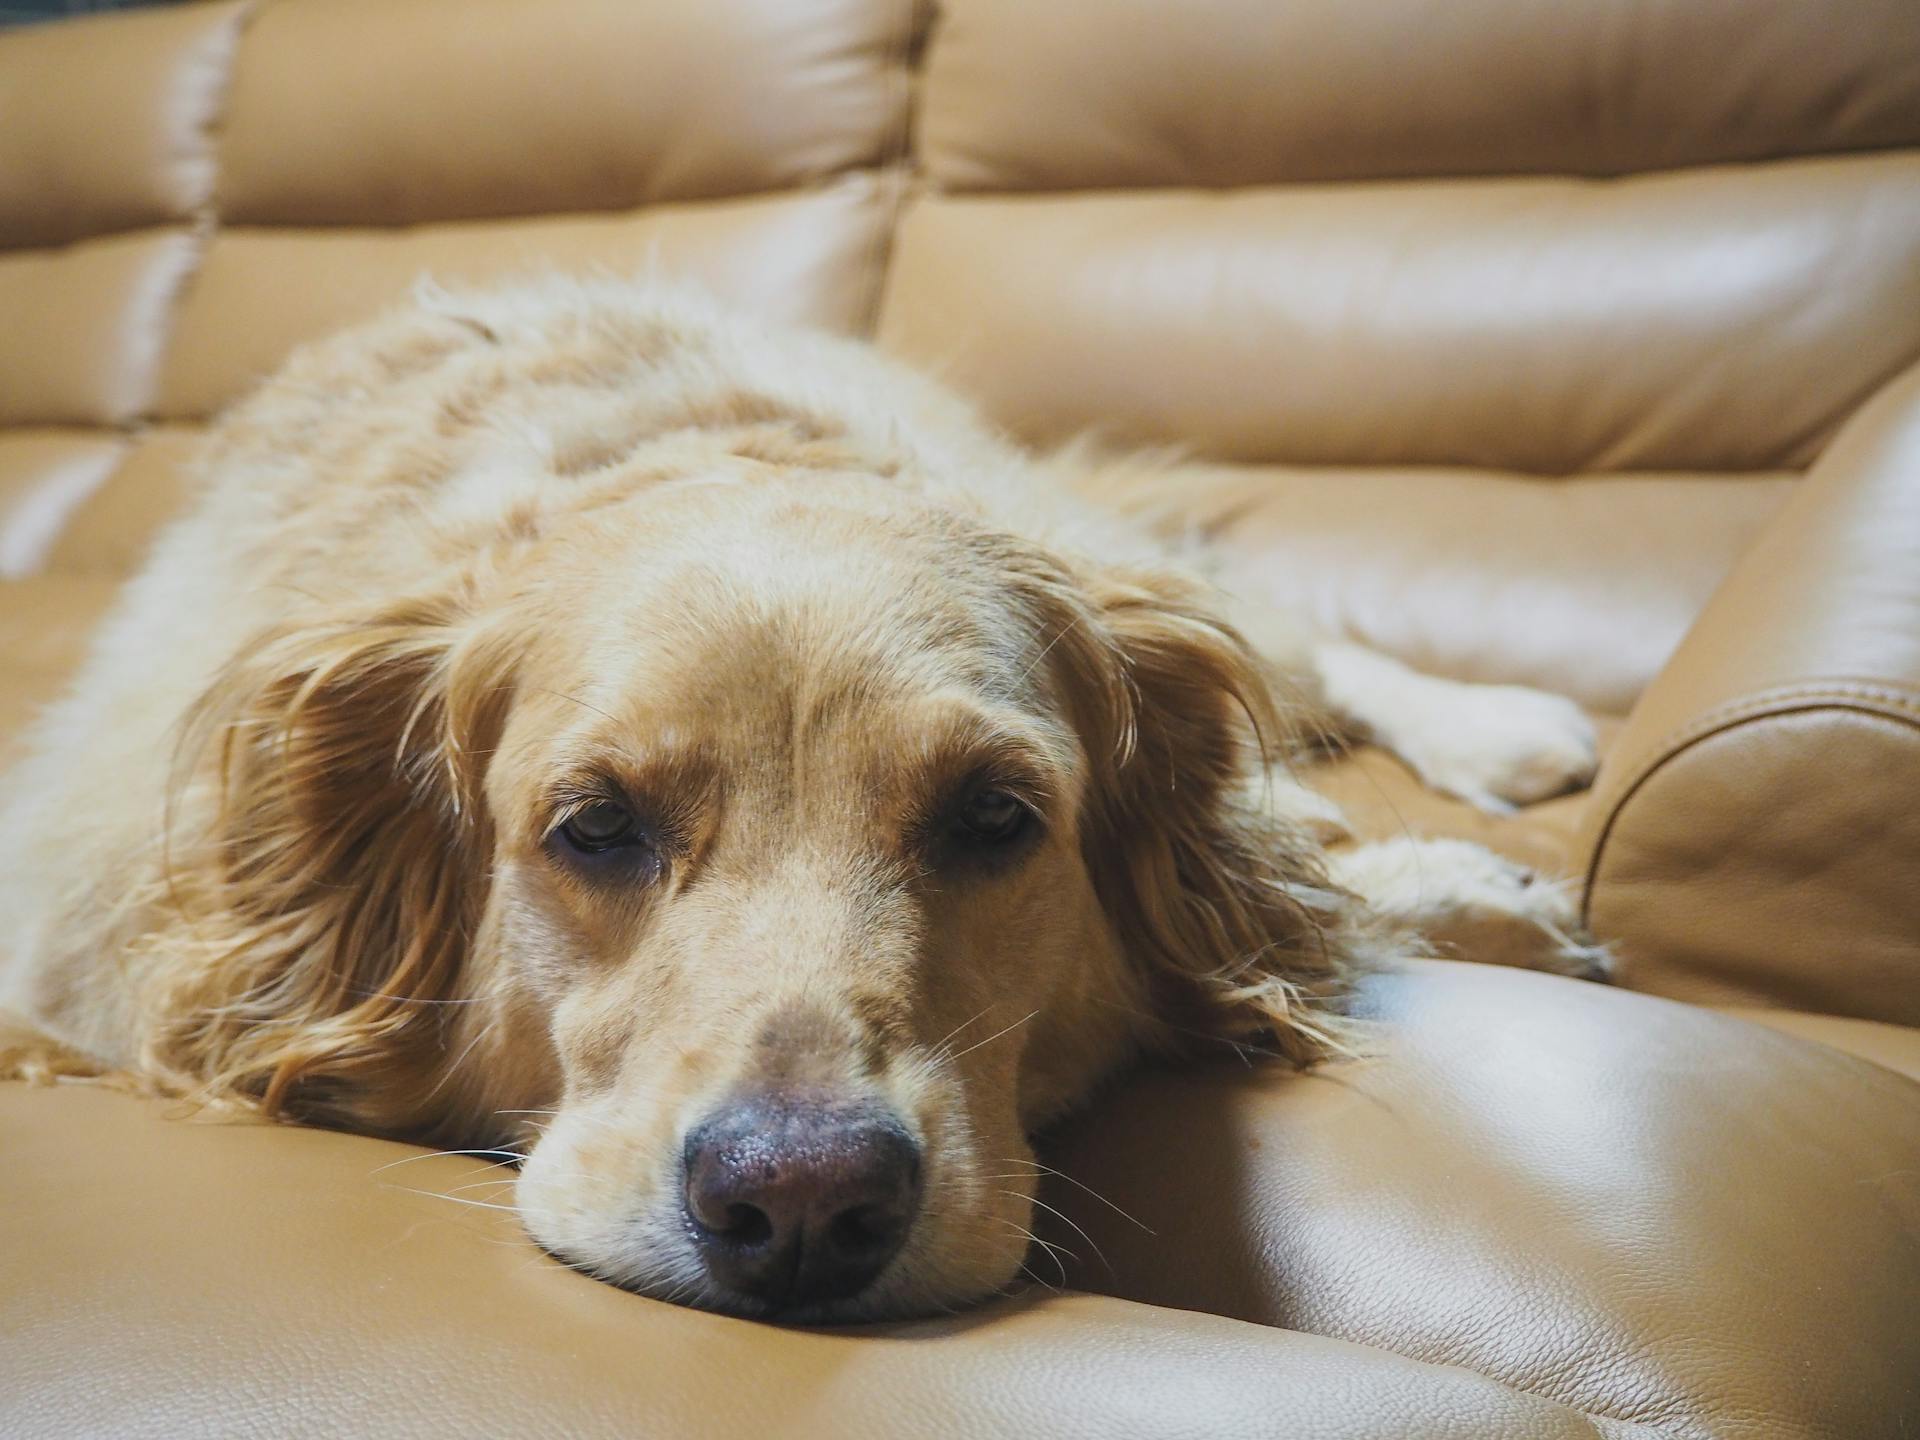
<point>288,845</point>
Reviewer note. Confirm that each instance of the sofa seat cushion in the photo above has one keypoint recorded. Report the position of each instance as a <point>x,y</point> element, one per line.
<point>45,623</point>
<point>1634,1207</point>
<point>1542,1208</point>
<point>164,1276</point>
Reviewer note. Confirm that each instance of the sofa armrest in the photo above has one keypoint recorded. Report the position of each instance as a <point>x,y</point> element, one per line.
<point>1754,833</point>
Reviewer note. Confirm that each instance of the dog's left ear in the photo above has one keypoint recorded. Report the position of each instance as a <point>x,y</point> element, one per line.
<point>349,849</point>
<point>1225,907</point>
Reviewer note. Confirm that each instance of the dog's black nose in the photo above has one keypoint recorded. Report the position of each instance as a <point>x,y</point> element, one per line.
<point>795,1201</point>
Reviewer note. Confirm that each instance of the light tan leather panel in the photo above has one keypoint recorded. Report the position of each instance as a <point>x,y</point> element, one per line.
<point>368,112</point>
<point>1771,863</point>
<point>46,622</point>
<point>1893,1047</point>
<point>813,257</point>
<point>308,1291</point>
<point>110,532</point>
<point>104,124</point>
<point>1061,94</point>
<point>45,476</point>
<point>1684,321</point>
<point>1636,1208</point>
<point>1751,835</point>
<point>1581,586</point>
<point>83,327</point>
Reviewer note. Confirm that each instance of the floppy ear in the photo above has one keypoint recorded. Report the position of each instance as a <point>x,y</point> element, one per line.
<point>1225,907</point>
<point>344,868</point>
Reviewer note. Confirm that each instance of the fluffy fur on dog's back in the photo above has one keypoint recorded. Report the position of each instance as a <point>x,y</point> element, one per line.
<point>295,839</point>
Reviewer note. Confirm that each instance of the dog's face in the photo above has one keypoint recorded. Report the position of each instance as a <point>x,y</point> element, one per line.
<point>797,847</point>
<point>787,869</point>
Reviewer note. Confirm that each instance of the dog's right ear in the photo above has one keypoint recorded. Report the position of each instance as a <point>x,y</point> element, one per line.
<point>1224,908</point>
<point>343,870</point>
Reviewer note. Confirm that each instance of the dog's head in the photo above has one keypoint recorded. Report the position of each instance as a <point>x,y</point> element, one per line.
<point>771,858</point>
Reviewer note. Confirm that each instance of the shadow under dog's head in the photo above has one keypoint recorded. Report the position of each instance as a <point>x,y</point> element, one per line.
<point>769,860</point>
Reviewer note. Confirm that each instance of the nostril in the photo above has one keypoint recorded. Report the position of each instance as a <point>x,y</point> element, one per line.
<point>867,1228</point>
<point>746,1225</point>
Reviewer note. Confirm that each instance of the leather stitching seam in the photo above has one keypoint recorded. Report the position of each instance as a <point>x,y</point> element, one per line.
<point>1887,701</point>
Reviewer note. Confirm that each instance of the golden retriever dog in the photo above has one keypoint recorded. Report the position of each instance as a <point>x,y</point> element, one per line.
<point>708,763</point>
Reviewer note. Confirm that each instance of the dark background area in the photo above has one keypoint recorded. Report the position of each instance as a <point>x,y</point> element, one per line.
<point>25,12</point>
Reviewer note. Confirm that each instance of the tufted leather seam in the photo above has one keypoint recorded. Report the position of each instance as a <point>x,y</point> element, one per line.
<point>203,223</point>
<point>893,166</point>
<point>1886,701</point>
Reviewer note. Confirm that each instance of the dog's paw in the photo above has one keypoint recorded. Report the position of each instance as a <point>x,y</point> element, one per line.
<point>1474,904</point>
<point>1498,746</point>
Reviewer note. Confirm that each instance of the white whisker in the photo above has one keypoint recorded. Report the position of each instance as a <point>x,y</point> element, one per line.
<point>1076,1230</point>
<point>1061,1174</point>
<point>441,1155</point>
<point>995,1036</point>
<point>454,1199</point>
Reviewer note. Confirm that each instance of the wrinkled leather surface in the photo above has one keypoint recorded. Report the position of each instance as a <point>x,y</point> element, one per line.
<point>45,476</point>
<point>1685,320</point>
<point>267,1280</point>
<point>104,126</point>
<point>1028,95</point>
<point>1634,1207</point>
<point>44,624</point>
<point>108,531</point>
<point>1894,1047</point>
<point>808,257</point>
<point>614,106</point>
<point>82,335</point>
<point>1537,1199</point>
<point>1753,835</point>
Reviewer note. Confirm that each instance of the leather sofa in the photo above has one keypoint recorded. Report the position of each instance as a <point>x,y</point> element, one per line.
<point>1574,344</point>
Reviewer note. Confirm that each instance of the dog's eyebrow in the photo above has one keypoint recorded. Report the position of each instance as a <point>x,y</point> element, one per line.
<point>965,741</point>
<point>670,781</point>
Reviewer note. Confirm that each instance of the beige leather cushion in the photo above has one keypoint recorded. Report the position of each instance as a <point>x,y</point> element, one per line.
<point>368,112</point>
<point>1064,94</point>
<point>109,532</point>
<point>164,1276</point>
<point>83,325</point>
<point>45,476</point>
<point>1581,586</point>
<point>1693,320</point>
<point>1751,838</point>
<point>45,623</point>
<point>1893,1047</point>
<point>1637,1208</point>
<point>814,257</point>
<point>103,123</point>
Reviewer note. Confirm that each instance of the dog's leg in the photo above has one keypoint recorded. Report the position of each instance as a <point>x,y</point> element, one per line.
<point>1495,746</point>
<point>1474,903</point>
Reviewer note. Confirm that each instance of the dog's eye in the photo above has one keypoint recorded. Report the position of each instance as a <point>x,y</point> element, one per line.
<point>603,825</point>
<point>992,816</point>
